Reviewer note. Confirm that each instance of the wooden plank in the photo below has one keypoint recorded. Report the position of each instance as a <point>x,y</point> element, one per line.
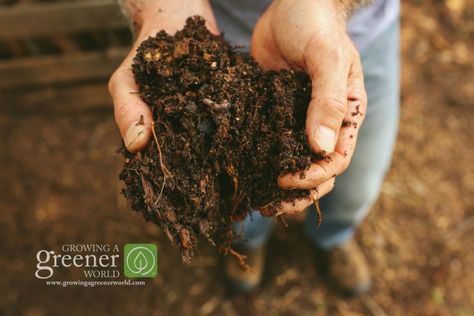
<point>72,98</point>
<point>40,71</point>
<point>30,19</point>
<point>64,43</point>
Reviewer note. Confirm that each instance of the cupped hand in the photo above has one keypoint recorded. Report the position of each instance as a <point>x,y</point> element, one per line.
<point>311,36</point>
<point>132,115</point>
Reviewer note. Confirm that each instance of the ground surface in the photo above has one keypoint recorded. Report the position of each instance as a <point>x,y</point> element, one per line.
<point>58,185</point>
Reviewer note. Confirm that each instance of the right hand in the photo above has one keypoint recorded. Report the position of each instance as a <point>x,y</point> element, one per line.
<point>311,36</point>
<point>149,18</point>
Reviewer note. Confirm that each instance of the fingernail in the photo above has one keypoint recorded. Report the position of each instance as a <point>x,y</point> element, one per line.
<point>133,134</point>
<point>326,139</point>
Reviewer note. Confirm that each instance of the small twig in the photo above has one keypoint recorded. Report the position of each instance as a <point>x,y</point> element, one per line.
<point>237,201</point>
<point>163,167</point>
<point>281,218</point>
<point>280,213</point>
<point>241,259</point>
<point>237,195</point>
<point>161,190</point>
<point>267,205</point>
<point>166,172</point>
<point>235,180</point>
<point>316,206</point>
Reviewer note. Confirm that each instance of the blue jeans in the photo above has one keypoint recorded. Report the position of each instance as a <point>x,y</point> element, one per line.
<point>358,187</point>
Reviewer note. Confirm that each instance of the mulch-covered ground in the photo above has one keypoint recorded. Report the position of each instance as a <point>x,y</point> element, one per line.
<point>58,178</point>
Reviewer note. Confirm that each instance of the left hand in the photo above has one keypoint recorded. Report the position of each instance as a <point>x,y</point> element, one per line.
<point>132,115</point>
<point>311,36</point>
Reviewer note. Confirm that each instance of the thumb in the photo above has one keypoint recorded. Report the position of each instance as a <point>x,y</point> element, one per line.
<point>328,71</point>
<point>132,115</point>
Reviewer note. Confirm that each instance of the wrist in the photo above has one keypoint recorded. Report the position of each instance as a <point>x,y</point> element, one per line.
<point>348,7</point>
<point>150,16</point>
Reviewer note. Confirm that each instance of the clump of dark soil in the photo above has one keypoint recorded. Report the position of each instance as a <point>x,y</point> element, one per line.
<point>224,130</point>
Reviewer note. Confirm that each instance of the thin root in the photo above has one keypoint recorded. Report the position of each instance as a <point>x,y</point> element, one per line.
<point>316,206</point>
<point>231,172</point>
<point>241,259</point>
<point>237,201</point>
<point>237,196</point>
<point>280,213</point>
<point>161,190</point>
<point>163,167</point>
<point>166,172</point>
<point>281,218</point>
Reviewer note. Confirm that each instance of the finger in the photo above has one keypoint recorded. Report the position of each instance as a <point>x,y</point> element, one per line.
<point>335,163</point>
<point>300,205</point>
<point>355,86</point>
<point>329,69</point>
<point>132,115</point>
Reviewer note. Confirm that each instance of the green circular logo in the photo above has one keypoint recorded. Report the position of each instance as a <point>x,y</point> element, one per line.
<point>140,260</point>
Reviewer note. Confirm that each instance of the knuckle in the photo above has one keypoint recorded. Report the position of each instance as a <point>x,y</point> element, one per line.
<point>336,53</point>
<point>361,95</point>
<point>325,49</point>
<point>314,44</point>
<point>336,106</point>
<point>326,45</point>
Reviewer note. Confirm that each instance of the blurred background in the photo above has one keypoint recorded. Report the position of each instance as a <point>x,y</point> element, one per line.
<point>59,183</point>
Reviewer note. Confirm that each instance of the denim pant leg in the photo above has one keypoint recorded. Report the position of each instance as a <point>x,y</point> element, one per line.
<point>254,231</point>
<point>358,187</point>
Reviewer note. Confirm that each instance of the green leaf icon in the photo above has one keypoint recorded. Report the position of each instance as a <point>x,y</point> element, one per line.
<point>140,260</point>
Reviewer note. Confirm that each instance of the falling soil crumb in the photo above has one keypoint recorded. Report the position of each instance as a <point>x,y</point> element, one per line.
<point>224,130</point>
<point>346,123</point>
<point>357,111</point>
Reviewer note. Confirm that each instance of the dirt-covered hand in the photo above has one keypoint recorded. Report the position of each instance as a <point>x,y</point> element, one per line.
<point>132,115</point>
<point>311,36</point>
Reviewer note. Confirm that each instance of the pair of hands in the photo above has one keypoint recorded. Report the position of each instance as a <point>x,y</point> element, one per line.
<point>300,34</point>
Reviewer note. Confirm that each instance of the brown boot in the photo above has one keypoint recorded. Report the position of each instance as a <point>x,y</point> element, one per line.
<point>245,280</point>
<point>346,268</point>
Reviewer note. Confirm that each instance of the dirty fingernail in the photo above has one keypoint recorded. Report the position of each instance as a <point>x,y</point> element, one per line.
<point>134,133</point>
<point>326,138</point>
